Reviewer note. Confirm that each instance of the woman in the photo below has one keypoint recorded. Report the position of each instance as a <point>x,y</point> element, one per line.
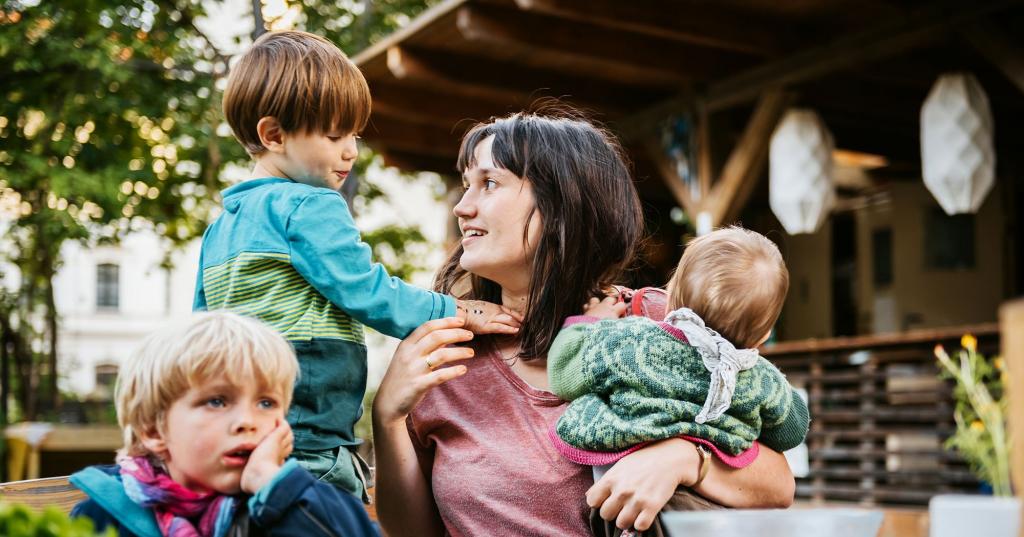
<point>548,219</point>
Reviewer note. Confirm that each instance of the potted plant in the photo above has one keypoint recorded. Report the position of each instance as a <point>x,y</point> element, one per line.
<point>982,440</point>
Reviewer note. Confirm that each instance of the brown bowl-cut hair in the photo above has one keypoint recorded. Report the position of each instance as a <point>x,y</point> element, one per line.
<point>591,217</point>
<point>735,279</point>
<point>301,79</point>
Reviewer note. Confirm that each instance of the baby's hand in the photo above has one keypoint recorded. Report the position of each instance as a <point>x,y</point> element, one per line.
<point>606,308</point>
<point>487,318</point>
<point>266,460</point>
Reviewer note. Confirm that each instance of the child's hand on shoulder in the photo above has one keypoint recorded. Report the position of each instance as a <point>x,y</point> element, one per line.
<point>487,318</point>
<point>605,308</point>
<point>268,457</point>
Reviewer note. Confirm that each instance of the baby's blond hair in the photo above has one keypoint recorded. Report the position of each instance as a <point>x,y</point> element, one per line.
<point>735,279</point>
<point>208,345</point>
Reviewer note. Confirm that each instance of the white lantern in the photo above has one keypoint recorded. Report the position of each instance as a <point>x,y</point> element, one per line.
<point>958,157</point>
<point>800,190</point>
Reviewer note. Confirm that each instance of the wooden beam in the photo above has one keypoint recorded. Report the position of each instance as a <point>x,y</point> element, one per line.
<point>587,48</point>
<point>513,82</point>
<point>747,160</point>
<point>706,25</point>
<point>1003,51</point>
<point>887,39</point>
<point>667,171</point>
<point>422,21</point>
<point>432,105</point>
<point>411,161</point>
<point>705,170</point>
<point>385,133</point>
<point>1011,329</point>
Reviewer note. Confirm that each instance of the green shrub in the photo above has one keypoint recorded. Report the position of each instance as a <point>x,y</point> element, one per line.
<point>20,521</point>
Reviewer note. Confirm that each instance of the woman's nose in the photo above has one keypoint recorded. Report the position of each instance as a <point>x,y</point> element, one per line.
<point>465,207</point>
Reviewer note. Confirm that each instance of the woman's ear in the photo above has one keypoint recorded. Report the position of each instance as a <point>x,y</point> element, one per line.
<point>271,134</point>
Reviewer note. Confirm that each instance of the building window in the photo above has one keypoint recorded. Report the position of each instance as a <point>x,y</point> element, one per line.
<point>948,240</point>
<point>106,375</point>
<point>107,283</point>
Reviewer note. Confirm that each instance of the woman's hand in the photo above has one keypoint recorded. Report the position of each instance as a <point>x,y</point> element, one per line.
<point>416,367</point>
<point>636,488</point>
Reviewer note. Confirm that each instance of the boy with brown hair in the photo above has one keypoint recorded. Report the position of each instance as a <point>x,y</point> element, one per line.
<point>287,251</point>
<point>696,374</point>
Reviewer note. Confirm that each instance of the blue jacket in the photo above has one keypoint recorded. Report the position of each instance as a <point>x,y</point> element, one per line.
<point>290,255</point>
<point>293,503</point>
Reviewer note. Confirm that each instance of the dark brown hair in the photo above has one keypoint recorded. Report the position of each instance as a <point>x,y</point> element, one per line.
<point>591,216</point>
<point>735,279</point>
<point>302,80</point>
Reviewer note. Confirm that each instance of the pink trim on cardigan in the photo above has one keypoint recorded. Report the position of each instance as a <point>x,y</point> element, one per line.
<point>598,458</point>
<point>580,319</point>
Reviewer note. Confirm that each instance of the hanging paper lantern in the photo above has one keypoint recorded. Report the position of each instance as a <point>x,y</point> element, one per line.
<point>800,189</point>
<point>958,158</point>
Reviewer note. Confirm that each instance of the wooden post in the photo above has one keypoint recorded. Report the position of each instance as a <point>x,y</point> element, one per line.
<point>1011,328</point>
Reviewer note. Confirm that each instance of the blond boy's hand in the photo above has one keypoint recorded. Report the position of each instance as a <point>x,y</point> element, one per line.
<point>487,318</point>
<point>606,308</point>
<point>266,460</point>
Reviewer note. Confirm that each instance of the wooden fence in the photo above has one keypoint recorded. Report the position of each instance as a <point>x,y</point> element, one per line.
<point>879,416</point>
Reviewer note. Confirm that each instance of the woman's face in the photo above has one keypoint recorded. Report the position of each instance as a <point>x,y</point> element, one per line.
<point>493,212</point>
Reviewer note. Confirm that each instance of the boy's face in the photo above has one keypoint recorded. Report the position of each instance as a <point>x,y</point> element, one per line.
<point>322,160</point>
<point>210,431</point>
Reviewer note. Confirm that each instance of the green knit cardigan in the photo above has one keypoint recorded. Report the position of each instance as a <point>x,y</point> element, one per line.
<point>634,380</point>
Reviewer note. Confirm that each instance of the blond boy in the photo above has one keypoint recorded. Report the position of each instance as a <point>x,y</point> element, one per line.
<point>202,405</point>
<point>287,251</point>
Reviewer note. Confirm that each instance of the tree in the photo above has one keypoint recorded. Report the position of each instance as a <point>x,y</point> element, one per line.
<point>110,121</point>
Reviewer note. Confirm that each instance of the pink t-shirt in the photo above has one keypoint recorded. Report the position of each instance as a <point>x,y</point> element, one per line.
<point>482,440</point>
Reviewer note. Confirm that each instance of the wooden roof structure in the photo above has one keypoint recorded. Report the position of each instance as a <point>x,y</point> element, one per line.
<point>733,66</point>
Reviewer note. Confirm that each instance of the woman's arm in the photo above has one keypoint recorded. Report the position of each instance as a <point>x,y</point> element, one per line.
<point>405,503</point>
<point>641,483</point>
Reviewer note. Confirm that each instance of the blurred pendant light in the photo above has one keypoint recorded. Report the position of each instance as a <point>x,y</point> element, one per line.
<point>958,158</point>
<point>800,191</point>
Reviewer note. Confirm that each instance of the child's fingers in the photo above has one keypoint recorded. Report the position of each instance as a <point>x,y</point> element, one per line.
<point>619,308</point>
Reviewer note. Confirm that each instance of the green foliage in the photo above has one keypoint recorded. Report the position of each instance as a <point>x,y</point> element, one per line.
<point>981,437</point>
<point>19,521</point>
<point>110,121</point>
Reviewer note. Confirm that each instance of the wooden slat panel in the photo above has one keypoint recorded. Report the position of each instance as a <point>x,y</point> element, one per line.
<point>41,493</point>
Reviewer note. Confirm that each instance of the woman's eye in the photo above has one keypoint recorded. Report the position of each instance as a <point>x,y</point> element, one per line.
<point>489,184</point>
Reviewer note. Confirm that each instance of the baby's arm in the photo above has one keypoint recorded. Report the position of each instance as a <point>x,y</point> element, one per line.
<point>784,417</point>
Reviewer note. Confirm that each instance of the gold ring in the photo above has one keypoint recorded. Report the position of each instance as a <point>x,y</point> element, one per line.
<point>430,365</point>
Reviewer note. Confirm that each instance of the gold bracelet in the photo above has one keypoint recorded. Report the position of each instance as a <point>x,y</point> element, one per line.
<point>705,464</point>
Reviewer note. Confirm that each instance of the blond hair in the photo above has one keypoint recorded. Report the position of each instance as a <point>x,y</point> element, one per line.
<point>209,345</point>
<point>302,80</point>
<point>735,279</point>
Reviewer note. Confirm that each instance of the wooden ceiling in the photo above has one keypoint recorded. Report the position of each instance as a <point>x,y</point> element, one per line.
<point>734,65</point>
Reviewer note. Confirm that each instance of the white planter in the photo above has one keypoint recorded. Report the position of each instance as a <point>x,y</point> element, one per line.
<point>957,515</point>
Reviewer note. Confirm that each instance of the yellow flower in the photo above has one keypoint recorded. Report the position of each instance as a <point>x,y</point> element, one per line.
<point>977,425</point>
<point>998,362</point>
<point>969,342</point>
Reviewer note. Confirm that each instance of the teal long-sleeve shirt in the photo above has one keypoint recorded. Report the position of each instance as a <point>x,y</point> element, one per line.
<point>291,255</point>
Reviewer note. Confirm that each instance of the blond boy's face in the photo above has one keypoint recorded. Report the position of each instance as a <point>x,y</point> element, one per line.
<point>322,160</point>
<point>211,430</point>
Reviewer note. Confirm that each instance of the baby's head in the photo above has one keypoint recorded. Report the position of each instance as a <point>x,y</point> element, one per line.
<point>298,91</point>
<point>736,280</point>
<point>200,395</point>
